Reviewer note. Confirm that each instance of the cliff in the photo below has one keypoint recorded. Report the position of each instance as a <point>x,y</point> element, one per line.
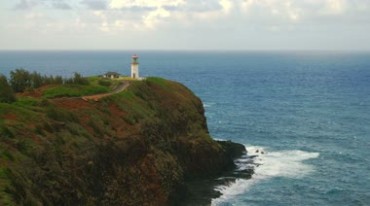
<point>137,147</point>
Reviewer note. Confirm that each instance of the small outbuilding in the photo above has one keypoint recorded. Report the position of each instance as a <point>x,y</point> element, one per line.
<point>111,75</point>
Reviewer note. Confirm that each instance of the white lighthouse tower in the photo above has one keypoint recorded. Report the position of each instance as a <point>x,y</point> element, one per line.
<point>135,67</point>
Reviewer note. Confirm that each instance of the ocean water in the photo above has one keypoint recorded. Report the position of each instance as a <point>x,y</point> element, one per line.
<point>309,112</point>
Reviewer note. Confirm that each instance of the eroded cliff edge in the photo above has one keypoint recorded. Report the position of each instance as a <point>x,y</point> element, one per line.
<point>138,147</point>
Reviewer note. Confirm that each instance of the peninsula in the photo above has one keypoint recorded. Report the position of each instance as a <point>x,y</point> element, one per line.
<point>140,145</point>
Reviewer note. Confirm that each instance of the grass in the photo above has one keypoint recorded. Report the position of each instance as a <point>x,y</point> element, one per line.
<point>5,132</point>
<point>160,81</point>
<point>128,79</point>
<point>5,154</point>
<point>61,115</point>
<point>21,111</point>
<point>27,101</point>
<point>96,85</point>
<point>74,90</point>
<point>137,108</point>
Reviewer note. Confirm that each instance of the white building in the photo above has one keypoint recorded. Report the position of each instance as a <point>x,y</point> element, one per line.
<point>135,67</point>
<point>111,75</point>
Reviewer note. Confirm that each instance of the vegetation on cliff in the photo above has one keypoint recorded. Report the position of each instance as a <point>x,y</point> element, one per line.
<point>6,92</point>
<point>137,147</point>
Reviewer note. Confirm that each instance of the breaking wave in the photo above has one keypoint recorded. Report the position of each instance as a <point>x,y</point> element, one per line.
<point>266,164</point>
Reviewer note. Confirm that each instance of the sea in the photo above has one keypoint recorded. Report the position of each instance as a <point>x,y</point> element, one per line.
<point>303,116</point>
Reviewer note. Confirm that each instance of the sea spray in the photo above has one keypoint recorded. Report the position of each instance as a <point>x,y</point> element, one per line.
<point>266,164</point>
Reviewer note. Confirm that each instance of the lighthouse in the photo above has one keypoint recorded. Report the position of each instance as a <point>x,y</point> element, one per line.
<point>135,67</point>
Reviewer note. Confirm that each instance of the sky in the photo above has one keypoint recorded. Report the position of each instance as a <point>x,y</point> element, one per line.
<point>185,25</point>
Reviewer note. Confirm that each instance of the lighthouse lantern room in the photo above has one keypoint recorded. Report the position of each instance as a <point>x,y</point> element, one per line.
<point>135,67</point>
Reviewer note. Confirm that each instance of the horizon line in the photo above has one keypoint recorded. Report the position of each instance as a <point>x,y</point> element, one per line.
<point>186,50</point>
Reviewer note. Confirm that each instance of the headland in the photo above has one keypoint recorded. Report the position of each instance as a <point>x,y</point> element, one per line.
<point>139,146</point>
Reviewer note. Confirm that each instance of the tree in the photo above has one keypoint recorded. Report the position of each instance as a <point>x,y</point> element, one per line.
<point>6,92</point>
<point>36,80</point>
<point>20,80</point>
<point>58,80</point>
<point>79,79</point>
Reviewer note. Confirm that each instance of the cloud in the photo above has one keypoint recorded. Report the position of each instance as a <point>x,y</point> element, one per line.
<point>272,9</point>
<point>120,4</point>
<point>95,4</point>
<point>26,4</point>
<point>115,16</point>
<point>196,6</point>
<point>266,15</point>
<point>226,5</point>
<point>148,13</point>
<point>61,5</point>
<point>154,17</point>
<point>53,4</point>
<point>297,11</point>
<point>336,6</point>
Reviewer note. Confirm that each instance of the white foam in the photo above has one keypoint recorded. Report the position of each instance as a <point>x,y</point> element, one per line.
<point>219,139</point>
<point>267,164</point>
<point>210,104</point>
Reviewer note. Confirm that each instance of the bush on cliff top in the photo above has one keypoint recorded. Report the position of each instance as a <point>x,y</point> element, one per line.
<point>6,92</point>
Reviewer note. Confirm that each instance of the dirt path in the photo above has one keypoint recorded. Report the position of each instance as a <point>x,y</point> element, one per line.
<point>122,86</point>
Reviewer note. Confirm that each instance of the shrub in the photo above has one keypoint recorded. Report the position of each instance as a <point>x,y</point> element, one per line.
<point>105,83</point>
<point>95,127</point>
<point>20,79</point>
<point>61,115</point>
<point>38,130</point>
<point>6,92</point>
<point>6,132</point>
<point>79,79</point>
